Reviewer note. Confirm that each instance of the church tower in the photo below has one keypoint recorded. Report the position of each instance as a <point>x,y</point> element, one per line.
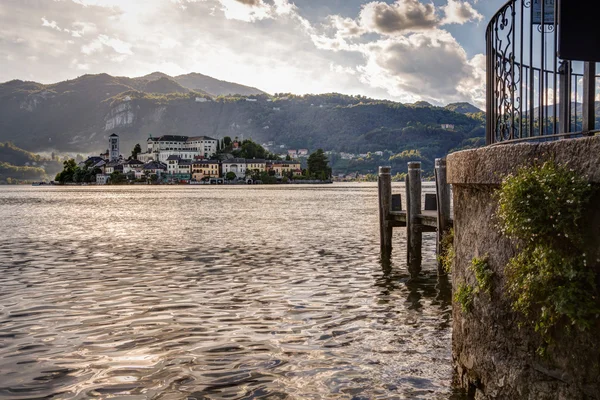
<point>113,147</point>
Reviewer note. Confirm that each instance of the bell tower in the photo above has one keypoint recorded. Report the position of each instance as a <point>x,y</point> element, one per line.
<point>113,147</point>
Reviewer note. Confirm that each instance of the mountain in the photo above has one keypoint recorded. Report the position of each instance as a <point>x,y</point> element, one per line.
<point>78,116</point>
<point>164,85</point>
<point>196,82</point>
<point>421,104</point>
<point>463,108</point>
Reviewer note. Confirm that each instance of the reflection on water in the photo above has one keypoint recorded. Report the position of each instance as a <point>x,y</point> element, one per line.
<point>214,293</point>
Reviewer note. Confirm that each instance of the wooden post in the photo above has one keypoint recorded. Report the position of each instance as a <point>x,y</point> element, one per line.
<point>384,183</point>
<point>413,209</point>
<point>589,92</point>
<point>442,189</point>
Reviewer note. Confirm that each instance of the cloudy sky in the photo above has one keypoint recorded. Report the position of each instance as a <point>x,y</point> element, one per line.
<point>404,50</point>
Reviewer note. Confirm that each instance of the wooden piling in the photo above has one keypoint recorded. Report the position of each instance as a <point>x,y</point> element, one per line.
<point>443,206</point>
<point>413,210</point>
<point>384,183</point>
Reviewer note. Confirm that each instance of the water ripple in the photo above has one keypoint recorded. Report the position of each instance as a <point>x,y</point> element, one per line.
<point>213,293</point>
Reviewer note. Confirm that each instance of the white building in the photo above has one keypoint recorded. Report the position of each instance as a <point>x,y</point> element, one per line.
<point>163,156</point>
<point>102,179</point>
<point>113,166</point>
<point>204,145</point>
<point>134,166</point>
<point>235,165</point>
<point>147,157</point>
<point>448,126</point>
<point>186,147</point>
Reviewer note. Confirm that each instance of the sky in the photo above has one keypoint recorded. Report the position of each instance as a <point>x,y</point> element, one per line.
<point>402,50</point>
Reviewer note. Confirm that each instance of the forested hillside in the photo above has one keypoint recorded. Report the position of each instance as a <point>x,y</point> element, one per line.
<point>18,164</point>
<point>78,115</point>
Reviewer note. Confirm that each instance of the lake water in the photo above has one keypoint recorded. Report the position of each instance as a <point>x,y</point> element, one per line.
<point>214,292</point>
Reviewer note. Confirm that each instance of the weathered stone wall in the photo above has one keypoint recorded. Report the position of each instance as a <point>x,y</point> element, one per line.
<point>493,357</point>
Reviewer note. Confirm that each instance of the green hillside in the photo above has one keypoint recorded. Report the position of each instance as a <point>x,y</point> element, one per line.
<point>17,164</point>
<point>78,116</point>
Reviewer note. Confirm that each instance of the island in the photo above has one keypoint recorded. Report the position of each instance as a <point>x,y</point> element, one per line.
<point>175,159</point>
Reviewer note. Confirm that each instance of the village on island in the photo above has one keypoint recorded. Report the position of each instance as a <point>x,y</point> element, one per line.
<point>174,159</point>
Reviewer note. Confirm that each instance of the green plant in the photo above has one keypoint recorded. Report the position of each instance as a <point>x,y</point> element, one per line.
<point>549,280</point>
<point>464,296</point>
<point>483,274</point>
<point>447,254</point>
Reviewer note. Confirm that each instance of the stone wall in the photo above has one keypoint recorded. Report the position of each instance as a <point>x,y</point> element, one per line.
<point>493,357</point>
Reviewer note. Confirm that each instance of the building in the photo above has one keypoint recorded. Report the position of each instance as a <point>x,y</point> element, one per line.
<point>204,145</point>
<point>256,165</point>
<point>449,127</point>
<point>235,165</point>
<point>135,167</point>
<point>163,156</point>
<point>284,167</point>
<point>293,153</point>
<point>102,179</point>
<point>178,168</point>
<point>113,166</point>
<point>303,153</point>
<point>202,169</point>
<point>146,157</point>
<point>165,142</point>
<point>113,147</point>
<point>90,162</point>
<point>188,148</point>
<point>184,171</point>
<point>173,164</point>
<point>154,168</point>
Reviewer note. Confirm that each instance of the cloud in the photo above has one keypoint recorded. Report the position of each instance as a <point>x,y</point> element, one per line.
<point>246,10</point>
<point>345,27</point>
<point>397,51</point>
<point>428,65</point>
<point>98,45</point>
<point>339,69</point>
<point>407,54</point>
<point>398,17</point>
<point>460,12</point>
<point>50,24</point>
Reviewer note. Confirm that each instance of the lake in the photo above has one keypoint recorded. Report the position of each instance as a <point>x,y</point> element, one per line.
<point>214,292</point>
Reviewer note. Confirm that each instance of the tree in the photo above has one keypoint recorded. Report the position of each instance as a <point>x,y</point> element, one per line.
<point>117,178</point>
<point>318,165</point>
<point>67,174</point>
<point>218,146</point>
<point>226,141</point>
<point>288,158</point>
<point>137,149</point>
<point>230,176</point>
